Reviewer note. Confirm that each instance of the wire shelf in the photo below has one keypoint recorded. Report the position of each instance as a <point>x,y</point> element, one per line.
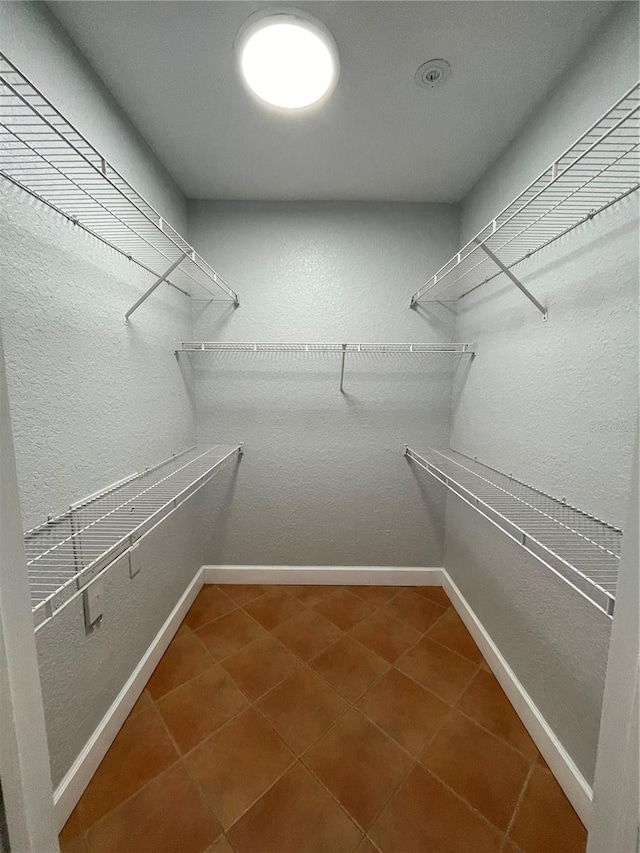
<point>583,550</point>
<point>64,554</point>
<point>598,170</point>
<point>215,346</point>
<point>44,154</point>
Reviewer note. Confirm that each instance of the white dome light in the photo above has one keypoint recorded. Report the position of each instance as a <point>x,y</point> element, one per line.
<point>288,60</point>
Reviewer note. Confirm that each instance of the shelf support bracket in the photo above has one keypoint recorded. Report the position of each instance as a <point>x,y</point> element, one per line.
<point>513,278</point>
<point>155,284</point>
<point>344,352</point>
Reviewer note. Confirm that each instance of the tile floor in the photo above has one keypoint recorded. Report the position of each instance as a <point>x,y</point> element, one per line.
<point>323,720</point>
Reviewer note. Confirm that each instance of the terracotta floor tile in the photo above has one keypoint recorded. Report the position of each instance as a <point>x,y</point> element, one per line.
<point>141,750</point>
<point>221,846</point>
<point>487,703</point>
<point>72,837</point>
<point>349,667</point>
<point>385,635</point>
<point>438,669</point>
<point>273,608</point>
<point>311,594</point>
<point>405,711</point>
<point>229,634</point>
<point>141,824</point>
<point>451,632</point>
<point>301,709</point>
<point>260,666</point>
<point>185,658</point>
<point>424,817</point>
<point>366,846</point>
<point>377,595</point>
<point>295,816</point>
<point>359,764</point>
<point>236,765</point>
<point>198,708</point>
<point>433,593</point>
<point>344,609</point>
<point>487,772</point>
<point>307,634</point>
<point>545,821</point>
<point>143,702</point>
<point>210,603</point>
<point>242,593</point>
<point>415,610</point>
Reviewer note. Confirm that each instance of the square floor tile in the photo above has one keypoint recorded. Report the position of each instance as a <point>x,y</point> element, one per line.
<point>301,709</point>
<point>295,816</point>
<point>307,634</point>
<point>424,817</point>
<point>485,771</point>
<point>242,593</point>
<point>349,667</point>
<point>141,823</point>
<point>184,658</point>
<point>236,765</point>
<point>486,702</point>
<point>143,702</point>
<point>141,750</point>
<point>366,846</point>
<point>359,764</point>
<point>377,595</point>
<point>385,635</point>
<point>311,594</point>
<point>198,708</point>
<point>221,846</point>
<point>405,711</point>
<point>415,610</point>
<point>438,669</point>
<point>72,837</point>
<point>450,631</point>
<point>273,608</point>
<point>210,603</point>
<point>433,593</point>
<point>344,609</point>
<point>229,634</point>
<point>260,666</point>
<point>545,821</point>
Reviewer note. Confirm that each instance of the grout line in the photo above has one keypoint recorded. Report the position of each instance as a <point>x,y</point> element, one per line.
<point>520,799</point>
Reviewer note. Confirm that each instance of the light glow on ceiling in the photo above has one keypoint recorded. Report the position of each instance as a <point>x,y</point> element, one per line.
<point>288,60</point>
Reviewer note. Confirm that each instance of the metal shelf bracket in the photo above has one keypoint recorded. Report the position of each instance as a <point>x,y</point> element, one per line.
<point>513,278</point>
<point>156,283</point>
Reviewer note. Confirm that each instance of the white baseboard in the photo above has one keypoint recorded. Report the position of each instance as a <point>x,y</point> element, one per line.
<point>570,779</point>
<point>352,575</point>
<point>70,789</point>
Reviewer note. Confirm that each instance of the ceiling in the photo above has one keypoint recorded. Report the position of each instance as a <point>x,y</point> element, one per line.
<point>380,136</point>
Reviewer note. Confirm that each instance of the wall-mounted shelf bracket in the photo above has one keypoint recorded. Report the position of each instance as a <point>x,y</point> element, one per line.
<point>513,278</point>
<point>156,283</point>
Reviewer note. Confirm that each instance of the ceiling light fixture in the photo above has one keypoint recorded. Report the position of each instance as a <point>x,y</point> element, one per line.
<point>288,59</point>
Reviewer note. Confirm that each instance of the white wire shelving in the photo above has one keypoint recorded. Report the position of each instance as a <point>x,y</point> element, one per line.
<point>581,549</point>
<point>68,551</point>
<point>598,170</point>
<point>44,154</point>
<point>450,349</point>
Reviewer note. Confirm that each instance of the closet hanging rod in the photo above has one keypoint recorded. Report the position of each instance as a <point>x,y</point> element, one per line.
<point>578,547</point>
<point>216,346</point>
<point>599,170</point>
<point>42,153</point>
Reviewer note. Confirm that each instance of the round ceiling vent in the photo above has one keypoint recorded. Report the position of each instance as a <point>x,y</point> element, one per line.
<point>433,73</point>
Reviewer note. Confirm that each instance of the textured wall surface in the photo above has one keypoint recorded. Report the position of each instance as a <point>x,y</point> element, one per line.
<point>324,480</point>
<point>554,402</point>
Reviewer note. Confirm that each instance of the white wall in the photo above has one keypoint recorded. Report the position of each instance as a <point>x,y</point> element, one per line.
<point>555,403</point>
<point>323,480</point>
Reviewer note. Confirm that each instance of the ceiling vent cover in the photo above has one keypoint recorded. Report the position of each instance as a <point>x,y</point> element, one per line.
<point>433,73</point>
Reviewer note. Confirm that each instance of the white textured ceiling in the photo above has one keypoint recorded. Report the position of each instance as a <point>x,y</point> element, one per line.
<point>380,136</point>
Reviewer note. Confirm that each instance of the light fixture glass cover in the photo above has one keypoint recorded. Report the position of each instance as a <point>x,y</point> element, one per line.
<point>287,59</point>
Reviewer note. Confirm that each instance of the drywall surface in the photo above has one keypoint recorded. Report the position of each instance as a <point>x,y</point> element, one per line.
<point>323,480</point>
<point>555,403</point>
<point>34,41</point>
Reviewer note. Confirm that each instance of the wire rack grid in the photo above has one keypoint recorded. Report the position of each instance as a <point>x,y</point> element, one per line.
<point>216,346</point>
<point>597,171</point>
<point>583,550</point>
<point>66,552</point>
<point>45,155</point>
